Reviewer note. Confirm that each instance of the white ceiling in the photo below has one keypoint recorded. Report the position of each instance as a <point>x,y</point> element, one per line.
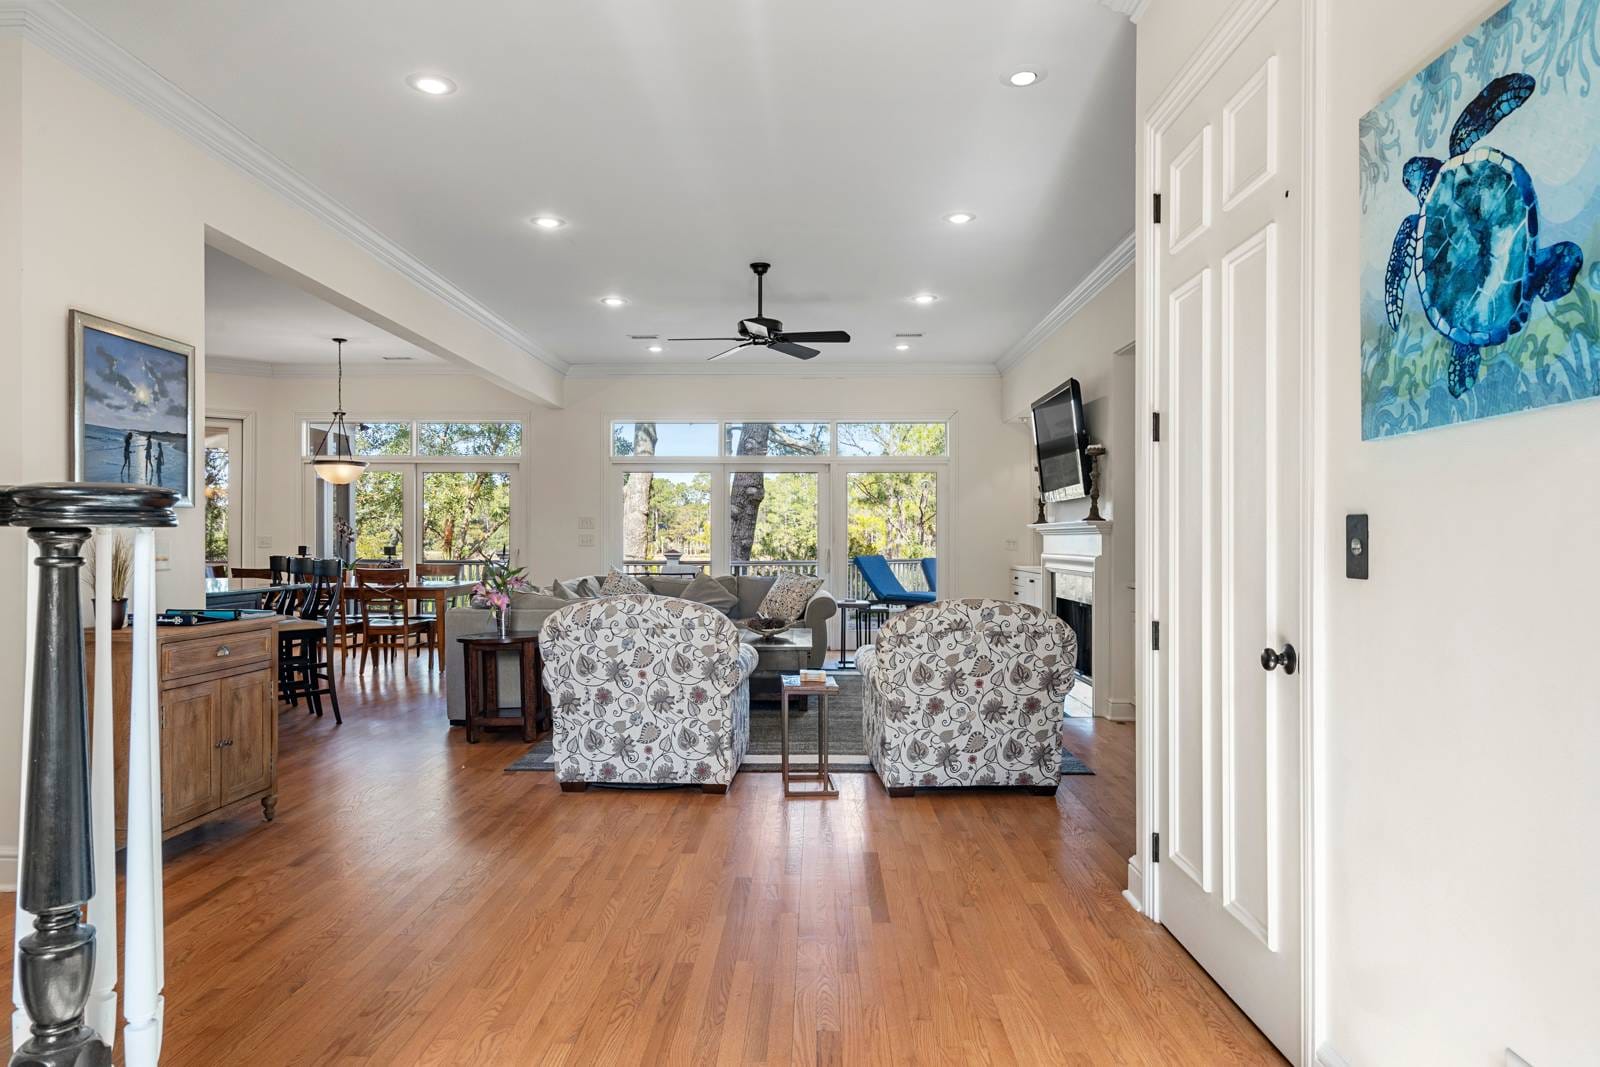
<point>254,316</point>
<point>683,140</point>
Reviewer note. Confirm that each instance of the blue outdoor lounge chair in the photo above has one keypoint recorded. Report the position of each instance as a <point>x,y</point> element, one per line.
<point>930,571</point>
<point>886,588</point>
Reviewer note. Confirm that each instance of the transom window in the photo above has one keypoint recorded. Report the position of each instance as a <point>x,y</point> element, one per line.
<point>423,440</point>
<point>709,440</point>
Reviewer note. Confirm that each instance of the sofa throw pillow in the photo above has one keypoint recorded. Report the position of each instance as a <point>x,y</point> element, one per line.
<point>712,593</point>
<point>618,582</point>
<point>788,597</point>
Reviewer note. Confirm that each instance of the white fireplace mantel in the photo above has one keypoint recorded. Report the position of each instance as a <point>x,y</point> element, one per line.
<point>1084,549</point>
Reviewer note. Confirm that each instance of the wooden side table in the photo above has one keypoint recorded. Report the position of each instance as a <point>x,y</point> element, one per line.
<point>481,658</point>
<point>792,686</point>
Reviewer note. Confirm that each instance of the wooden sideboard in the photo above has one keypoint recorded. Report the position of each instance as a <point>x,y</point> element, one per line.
<point>219,719</point>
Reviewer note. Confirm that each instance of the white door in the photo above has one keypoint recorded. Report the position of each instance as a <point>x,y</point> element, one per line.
<point>1229,537</point>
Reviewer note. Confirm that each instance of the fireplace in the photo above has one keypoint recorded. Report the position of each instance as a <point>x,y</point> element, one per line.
<point>1078,568</point>
<point>1080,617</point>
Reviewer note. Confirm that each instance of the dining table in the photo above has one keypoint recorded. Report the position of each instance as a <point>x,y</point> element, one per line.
<point>437,591</point>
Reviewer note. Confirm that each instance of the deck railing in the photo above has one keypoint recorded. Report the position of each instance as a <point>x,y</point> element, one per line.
<point>64,983</point>
<point>909,571</point>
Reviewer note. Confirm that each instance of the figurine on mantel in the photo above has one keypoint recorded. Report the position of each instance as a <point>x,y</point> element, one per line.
<point>1038,498</point>
<point>1094,452</point>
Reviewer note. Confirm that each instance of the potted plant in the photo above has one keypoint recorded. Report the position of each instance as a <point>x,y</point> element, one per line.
<point>500,579</point>
<point>121,578</point>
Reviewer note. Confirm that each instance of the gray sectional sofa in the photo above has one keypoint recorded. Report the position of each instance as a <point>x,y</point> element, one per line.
<point>806,645</point>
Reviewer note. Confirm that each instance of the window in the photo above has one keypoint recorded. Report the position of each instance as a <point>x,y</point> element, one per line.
<point>893,439</point>
<point>380,513</point>
<point>772,521</point>
<point>465,514</point>
<point>665,512</point>
<point>664,439</point>
<point>893,514</point>
<point>422,439</point>
<point>776,438</point>
<point>469,438</point>
<point>216,491</point>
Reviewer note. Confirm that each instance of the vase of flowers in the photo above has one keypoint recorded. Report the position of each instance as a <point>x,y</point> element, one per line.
<point>344,540</point>
<point>500,579</point>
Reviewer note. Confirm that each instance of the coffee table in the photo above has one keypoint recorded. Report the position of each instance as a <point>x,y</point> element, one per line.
<point>793,687</point>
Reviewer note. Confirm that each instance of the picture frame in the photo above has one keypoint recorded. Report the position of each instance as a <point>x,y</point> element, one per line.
<point>132,394</point>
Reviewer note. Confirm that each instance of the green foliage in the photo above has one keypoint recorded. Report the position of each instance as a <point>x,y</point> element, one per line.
<point>465,515</point>
<point>216,493</point>
<point>786,525</point>
<point>469,438</point>
<point>893,439</point>
<point>380,513</point>
<point>677,514</point>
<point>894,514</point>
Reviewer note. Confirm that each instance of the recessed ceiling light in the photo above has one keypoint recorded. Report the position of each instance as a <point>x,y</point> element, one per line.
<point>547,222</point>
<point>924,298</point>
<point>960,218</point>
<point>432,84</point>
<point>613,301</point>
<point>902,348</point>
<point>654,348</point>
<point>1024,78</point>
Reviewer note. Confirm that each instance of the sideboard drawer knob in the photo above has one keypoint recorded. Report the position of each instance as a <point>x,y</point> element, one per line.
<point>224,650</point>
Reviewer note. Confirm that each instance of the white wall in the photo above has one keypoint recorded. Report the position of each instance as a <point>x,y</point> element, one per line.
<point>1458,704</point>
<point>1086,347</point>
<point>105,209</point>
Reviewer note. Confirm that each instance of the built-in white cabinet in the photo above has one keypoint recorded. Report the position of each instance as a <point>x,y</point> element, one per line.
<point>1027,585</point>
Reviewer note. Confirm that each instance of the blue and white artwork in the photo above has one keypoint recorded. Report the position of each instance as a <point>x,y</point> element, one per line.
<point>135,417</point>
<point>1480,226</point>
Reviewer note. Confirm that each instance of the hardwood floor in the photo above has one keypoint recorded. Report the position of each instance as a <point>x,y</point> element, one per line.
<point>414,904</point>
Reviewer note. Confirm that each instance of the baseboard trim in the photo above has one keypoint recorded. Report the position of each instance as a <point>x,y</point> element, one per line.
<point>1134,894</point>
<point>8,870</point>
<point>1121,711</point>
<point>1328,1056</point>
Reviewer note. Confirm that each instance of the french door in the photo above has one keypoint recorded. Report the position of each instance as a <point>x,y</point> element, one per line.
<point>1228,526</point>
<point>890,510</point>
<point>423,511</point>
<point>226,492</point>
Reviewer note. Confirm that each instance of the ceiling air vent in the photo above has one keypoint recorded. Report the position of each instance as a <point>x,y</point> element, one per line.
<point>398,359</point>
<point>908,335</point>
<point>643,336</point>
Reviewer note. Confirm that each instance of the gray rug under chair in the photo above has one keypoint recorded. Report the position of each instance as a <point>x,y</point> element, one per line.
<point>847,747</point>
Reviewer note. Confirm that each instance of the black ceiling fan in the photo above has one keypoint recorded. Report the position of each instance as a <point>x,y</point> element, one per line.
<point>762,332</point>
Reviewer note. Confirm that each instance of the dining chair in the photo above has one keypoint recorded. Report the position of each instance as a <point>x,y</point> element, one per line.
<point>284,600</point>
<point>386,621</point>
<point>305,653</point>
<point>382,575</point>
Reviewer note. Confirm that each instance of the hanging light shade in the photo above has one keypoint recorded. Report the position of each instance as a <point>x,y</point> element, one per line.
<point>335,460</point>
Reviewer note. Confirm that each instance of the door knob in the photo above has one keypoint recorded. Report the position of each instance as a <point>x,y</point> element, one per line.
<point>1288,659</point>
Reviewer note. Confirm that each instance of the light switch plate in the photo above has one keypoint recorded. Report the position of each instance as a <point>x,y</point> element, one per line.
<point>586,540</point>
<point>1011,544</point>
<point>263,542</point>
<point>1357,547</point>
<point>586,522</point>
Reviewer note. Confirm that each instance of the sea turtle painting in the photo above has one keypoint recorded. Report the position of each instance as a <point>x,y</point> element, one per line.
<point>1473,245</point>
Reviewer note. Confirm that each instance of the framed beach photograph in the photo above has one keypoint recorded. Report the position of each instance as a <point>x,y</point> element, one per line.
<point>132,407</point>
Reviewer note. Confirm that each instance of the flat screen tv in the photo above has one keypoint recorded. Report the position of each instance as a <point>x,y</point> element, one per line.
<point>1060,437</point>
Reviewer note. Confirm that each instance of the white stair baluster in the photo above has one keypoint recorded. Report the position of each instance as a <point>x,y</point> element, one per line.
<point>142,999</point>
<point>21,1024</point>
<point>101,1012</point>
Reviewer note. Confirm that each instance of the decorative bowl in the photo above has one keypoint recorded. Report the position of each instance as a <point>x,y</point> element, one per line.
<point>769,628</point>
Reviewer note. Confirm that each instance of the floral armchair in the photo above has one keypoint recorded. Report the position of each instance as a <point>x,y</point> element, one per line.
<point>646,689</point>
<point>967,692</point>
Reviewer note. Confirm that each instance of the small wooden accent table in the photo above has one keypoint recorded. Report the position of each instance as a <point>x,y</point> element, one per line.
<point>481,657</point>
<point>792,686</point>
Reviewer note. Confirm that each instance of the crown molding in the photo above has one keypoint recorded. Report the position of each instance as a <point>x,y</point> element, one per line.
<point>1105,272</point>
<point>75,42</point>
<point>1134,9</point>
<point>781,370</point>
<point>260,368</point>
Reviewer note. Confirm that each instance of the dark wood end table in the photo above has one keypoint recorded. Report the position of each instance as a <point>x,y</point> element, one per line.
<point>481,658</point>
<point>792,687</point>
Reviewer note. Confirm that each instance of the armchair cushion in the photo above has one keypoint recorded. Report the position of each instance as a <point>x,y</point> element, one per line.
<point>967,692</point>
<point>647,689</point>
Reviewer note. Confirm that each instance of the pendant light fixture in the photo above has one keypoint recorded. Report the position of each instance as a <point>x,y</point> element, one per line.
<point>335,460</point>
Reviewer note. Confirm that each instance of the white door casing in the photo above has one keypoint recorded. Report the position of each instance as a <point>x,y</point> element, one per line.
<point>1228,538</point>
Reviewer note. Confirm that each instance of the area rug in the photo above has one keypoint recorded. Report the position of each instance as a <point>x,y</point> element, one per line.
<point>847,750</point>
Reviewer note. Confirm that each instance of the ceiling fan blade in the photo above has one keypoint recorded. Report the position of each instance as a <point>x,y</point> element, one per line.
<point>817,336</point>
<point>704,338</point>
<point>736,348</point>
<point>797,351</point>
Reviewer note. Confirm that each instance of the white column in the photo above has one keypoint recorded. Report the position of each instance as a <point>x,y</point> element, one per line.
<point>21,1024</point>
<point>101,1012</point>
<point>142,999</point>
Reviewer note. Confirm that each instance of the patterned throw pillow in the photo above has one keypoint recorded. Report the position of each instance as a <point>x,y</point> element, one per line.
<point>617,583</point>
<point>788,597</point>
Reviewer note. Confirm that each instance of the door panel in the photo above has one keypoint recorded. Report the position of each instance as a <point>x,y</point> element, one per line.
<point>1228,483</point>
<point>189,750</point>
<point>244,712</point>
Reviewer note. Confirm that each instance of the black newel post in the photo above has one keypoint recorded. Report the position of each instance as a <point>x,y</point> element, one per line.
<point>56,879</point>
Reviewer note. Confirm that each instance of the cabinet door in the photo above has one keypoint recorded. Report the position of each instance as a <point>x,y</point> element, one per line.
<point>189,764</point>
<point>245,718</point>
